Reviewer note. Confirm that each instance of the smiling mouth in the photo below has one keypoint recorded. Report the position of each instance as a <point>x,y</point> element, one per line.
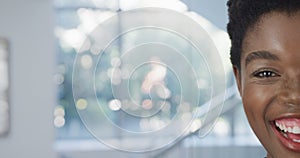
<point>288,132</point>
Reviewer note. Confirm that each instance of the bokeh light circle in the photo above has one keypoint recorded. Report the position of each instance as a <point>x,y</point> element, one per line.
<point>152,71</point>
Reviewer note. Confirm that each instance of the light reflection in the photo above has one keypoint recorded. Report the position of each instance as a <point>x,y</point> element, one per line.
<point>202,84</point>
<point>196,124</point>
<point>86,61</point>
<point>222,127</point>
<point>101,81</point>
<point>116,78</point>
<point>115,52</point>
<point>162,91</point>
<point>115,62</point>
<point>110,72</point>
<point>147,104</point>
<point>81,104</point>
<point>155,76</point>
<point>156,123</point>
<point>186,116</point>
<point>125,73</point>
<point>115,105</point>
<point>128,4</point>
<point>90,19</point>
<point>95,49</point>
<point>168,4</point>
<point>59,111</point>
<point>72,38</point>
<point>59,120</point>
<point>115,75</point>
<point>111,4</point>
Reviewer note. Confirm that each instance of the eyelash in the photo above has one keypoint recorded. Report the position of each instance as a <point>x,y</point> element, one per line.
<point>265,74</point>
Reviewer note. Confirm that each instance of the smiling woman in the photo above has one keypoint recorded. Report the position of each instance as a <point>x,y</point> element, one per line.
<point>265,54</point>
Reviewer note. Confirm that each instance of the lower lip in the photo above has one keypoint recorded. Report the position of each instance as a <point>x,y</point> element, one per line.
<point>288,143</point>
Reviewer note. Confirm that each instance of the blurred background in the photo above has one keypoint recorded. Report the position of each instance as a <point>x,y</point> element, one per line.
<point>39,112</point>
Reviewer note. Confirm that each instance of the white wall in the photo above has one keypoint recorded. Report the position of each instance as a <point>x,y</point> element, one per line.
<point>28,25</point>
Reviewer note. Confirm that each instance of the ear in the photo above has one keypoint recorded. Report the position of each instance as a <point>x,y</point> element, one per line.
<point>237,76</point>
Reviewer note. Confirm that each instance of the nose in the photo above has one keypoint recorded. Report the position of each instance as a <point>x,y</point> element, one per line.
<point>290,92</point>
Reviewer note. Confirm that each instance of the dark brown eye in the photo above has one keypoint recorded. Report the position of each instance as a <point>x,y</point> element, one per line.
<point>265,74</point>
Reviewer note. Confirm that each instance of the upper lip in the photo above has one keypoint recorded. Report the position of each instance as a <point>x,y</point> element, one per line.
<point>287,115</point>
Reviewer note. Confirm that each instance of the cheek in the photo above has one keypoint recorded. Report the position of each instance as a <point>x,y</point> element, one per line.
<point>256,99</point>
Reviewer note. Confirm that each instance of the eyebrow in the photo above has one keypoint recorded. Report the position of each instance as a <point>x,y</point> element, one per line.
<point>260,55</point>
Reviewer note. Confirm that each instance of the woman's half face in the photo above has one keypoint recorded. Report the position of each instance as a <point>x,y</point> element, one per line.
<point>269,82</point>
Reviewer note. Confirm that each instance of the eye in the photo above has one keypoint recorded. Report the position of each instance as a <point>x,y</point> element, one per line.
<point>265,74</point>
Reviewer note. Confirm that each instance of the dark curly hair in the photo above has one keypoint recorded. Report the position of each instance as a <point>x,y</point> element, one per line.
<point>243,14</point>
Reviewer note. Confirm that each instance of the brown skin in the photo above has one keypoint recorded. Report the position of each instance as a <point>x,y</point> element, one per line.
<point>277,92</point>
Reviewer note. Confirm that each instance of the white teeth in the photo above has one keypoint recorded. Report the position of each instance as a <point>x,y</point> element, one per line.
<point>282,127</point>
<point>289,129</point>
<point>296,140</point>
<point>296,130</point>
